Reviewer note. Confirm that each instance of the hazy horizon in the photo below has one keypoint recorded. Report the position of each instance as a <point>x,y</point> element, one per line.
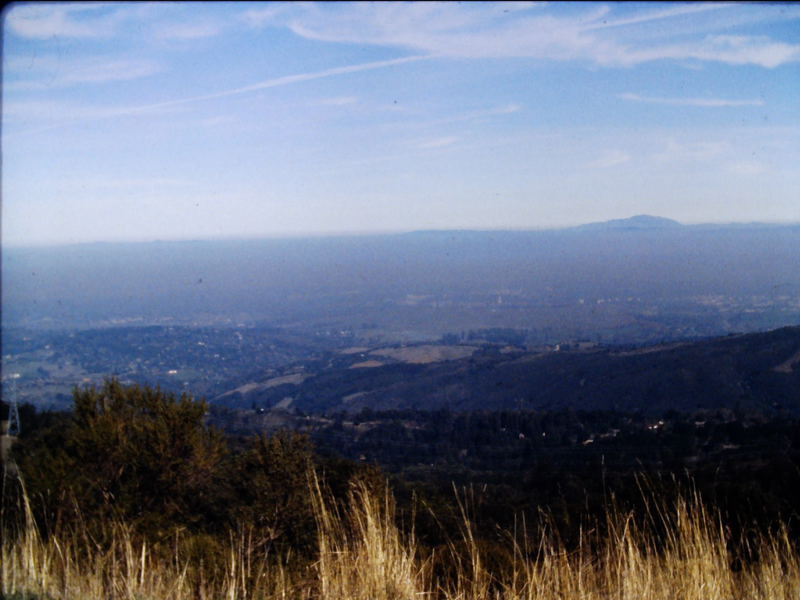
<point>154,121</point>
<point>301,235</point>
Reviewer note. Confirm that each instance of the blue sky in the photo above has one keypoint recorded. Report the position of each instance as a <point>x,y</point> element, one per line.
<point>175,121</point>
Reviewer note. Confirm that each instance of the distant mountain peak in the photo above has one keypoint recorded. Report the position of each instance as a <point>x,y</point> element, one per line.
<point>635,223</point>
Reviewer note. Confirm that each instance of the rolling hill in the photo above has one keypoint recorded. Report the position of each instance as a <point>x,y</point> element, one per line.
<point>753,372</point>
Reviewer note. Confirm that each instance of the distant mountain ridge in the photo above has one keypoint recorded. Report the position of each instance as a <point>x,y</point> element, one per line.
<point>635,223</point>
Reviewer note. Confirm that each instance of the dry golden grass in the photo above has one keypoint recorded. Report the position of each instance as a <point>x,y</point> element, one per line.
<point>363,556</point>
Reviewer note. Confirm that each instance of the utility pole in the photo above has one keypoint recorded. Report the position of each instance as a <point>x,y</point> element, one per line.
<point>8,435</point>
<point>14,426</point>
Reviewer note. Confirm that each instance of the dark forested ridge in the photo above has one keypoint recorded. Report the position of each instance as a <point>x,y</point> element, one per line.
<point>753,372</point>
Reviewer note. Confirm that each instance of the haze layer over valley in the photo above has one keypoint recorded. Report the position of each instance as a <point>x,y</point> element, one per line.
<point>222,314</point>
<point>624,281</point>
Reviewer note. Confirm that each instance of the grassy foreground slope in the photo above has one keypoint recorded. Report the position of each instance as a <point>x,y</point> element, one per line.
<point>675,552</point>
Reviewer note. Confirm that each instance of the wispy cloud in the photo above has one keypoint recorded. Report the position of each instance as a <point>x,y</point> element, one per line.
<point>676,11</point>
<point>114,183</point>
<point>610,158</point>
<point>72,113</point>
<point>51,114</point>
<point>103,20</point>
<point>216,121</point>
<point>437,142</point>
<point>338,101</point>
<point>48,20</point>
<point>259,17</point>
<point>282,81</point>
<point>476,115</point>
<point>481,31</point>
<point>692,151</point>
<point>48,72</point>
<point>748,168</point>
<point>731,49</point>
<point>188,31</point>
<point>702,102</point>
<point>506,109</point>
<point>481,113</point>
